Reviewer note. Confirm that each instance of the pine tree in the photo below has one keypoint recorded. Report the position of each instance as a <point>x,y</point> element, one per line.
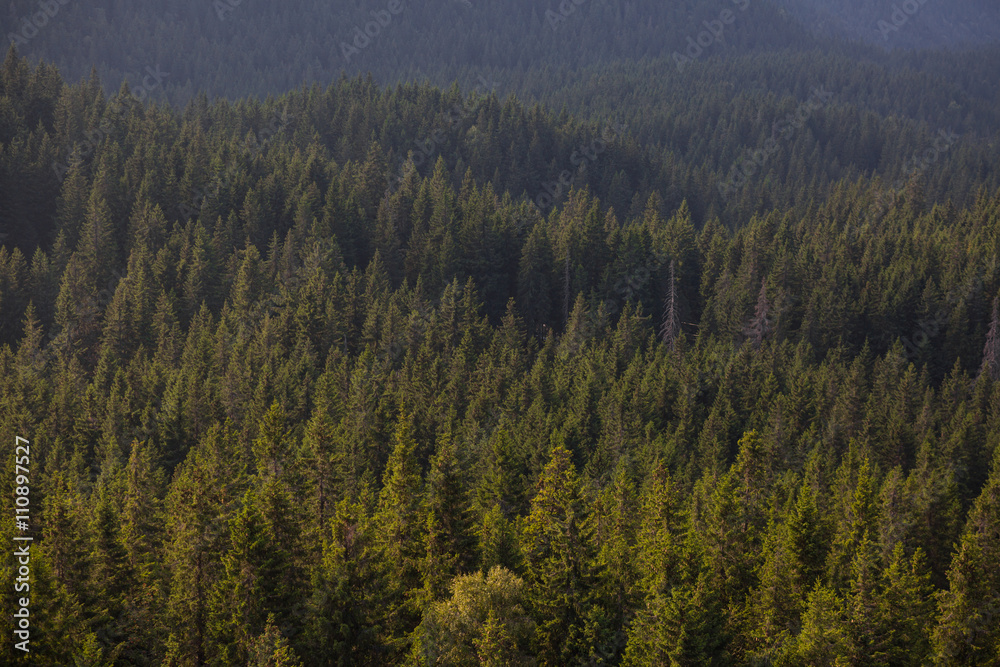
<point>618,592</point>
<point>497,541</point>
<point>112,577</point>
<point>31,358</point>
<point>342,615</point>
<point>201,501</point>
<point>566,289</point>
<point>775,604</point>
<point>493,649</point>
<point>90,654</point>
<point>659,547</point>
<point>808,536</point>
<point>271,447</point>
<point>271,649</point>
<point>686,626</point>
<point>400,523</point>
<point>556,562</point>
<point>862,603</point>
<point>97,248</point>
<point>66,533</point>
<point>862,523</point>
<point>319,450</point>
<point>967,632</point>
<point>258,578</point>
<point>449,536</point>
<point>824,640</point>
<point>906,610</point>
<point>141,533</point>
<point>734,522</point>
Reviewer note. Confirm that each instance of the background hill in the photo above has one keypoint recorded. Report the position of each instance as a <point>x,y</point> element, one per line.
<point>919,24</point>
<point>259,48</point>
<point>232,48</point>
<point>694,119</point>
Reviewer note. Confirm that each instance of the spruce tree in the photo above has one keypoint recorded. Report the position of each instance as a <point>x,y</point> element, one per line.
<point>967,629</point>
<point>449,536</point>
<point>400,523</point>
<point>557,564</point>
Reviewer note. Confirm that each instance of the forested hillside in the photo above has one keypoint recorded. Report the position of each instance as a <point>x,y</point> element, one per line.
<point>367,375</point>
<point>704,97</point>
<point>237,48</point>
<point>909,24</point>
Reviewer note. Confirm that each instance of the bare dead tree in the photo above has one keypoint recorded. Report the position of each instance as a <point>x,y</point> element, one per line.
<point>990,357</point>
<point>671,322</point>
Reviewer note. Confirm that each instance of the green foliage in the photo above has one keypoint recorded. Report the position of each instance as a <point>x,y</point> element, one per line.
<point>825,639</point>
<point>684,627</point>
<point>967,629</point>
<point>270,649</point>
<point>558,562</point>
<point>306,420</point>
<point>483,622</point>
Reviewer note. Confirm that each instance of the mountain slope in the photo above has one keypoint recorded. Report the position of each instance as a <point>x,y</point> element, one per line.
<point>257,49</point>
<point>910,24</point>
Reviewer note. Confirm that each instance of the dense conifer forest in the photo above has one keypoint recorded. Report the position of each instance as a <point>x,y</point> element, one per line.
<point>568,352</point>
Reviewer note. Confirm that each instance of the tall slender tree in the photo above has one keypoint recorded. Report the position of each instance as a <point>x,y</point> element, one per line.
<point>671,325</point>
<point>991,350</point>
